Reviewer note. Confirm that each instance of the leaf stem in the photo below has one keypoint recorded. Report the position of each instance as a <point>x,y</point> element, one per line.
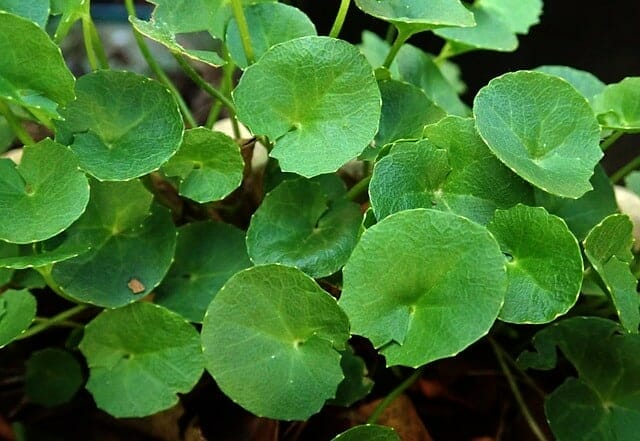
<point>15,124</point>
<point>393,395</point>
<point>622,173</point>
<point>63,324</point>
<point>339,21</point>
<point>358,188</point>
<point>157,69</point>
<point>227,84</point>
<point>533,425</point>
<point>243,27</point>
<point>93,45</point>
<point>610,140</point>
<point>53,321</point>
<point>196,78</point>
<point>401,38</point>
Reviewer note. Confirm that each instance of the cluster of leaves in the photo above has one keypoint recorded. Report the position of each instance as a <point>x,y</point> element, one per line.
<point>475,214</point>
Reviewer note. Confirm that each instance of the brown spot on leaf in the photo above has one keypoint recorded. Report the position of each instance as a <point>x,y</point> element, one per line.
<point>136,286</point>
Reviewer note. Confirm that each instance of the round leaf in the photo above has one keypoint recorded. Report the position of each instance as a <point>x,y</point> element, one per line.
<point>132,245</point>
<point>43,195</point>
<point>544,264</point>
<point>33,73</point>
<point>269,24</point>
<point>316,98</point>
<point>368,432</point>
<point>208,164</point>
<point>275,321</point>
<point>519,15</point>
<point>121,126</point>
<point>297,225</point>
<point>207,254</point>
<point>139,358</point>
<point>411,16</point>
<point>585,82</point>
<point>542,128</point>
<point>35,10</point>
<point>452,286</point>
<point>53,376</point>
<point>17,311</point>
<point>617,106</point>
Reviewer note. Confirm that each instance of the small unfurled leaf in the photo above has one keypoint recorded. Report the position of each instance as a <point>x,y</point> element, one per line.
<point>297,225</point>
<point>269,24</point>
<point>139,358</point>
<point>33,73</point>
<point>602,403</point>
<point>35,10</point>
<point>43,195</point>
<point>53,377</point>
<point>542,128</point>
<point>585,82</point>
<point>129,238</point>
<point>368,432</point>
<point>608,248</point>
<point>437,293</point>
<point>17,311</point>
<point>356,385</point>
<point>207,255</point>
<point>316,98</point>
<point>121,126</point>
<point>277,321</point>
<point>208,164</point>
<point>544,264</point>
<point>618,106</point>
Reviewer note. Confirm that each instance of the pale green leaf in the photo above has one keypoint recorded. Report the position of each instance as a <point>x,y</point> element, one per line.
<point>316,98</point>
<point>53,377</point>
<point>618,106</point>
<point>139,358</point>
<point>519,15</point>
<point>35,10</point>
<point>542,128</point>
<point>271,338</point>
<point>453,285</point>
<point>585,82</point>
<point>17,311</point>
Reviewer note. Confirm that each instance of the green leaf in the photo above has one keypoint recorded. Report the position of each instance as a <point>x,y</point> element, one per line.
<point>6,135</point>
<point>208,164</point>
<point>43,195</point>
<point>28,279</point>
<point>451,170</point>
<point>368,432</point>
<point>269,24</point>
<point>7,250</point>
<point>608,248</point>
<point>542,128</point>
<point>405,111</point>
<point>276,321</point>
<point>132,246</point>
<point>207,254</point>
<point>17,311</point>
<point>412,16</point>
<point>453,285</point>
<point>297,225</point>
<point>35,10</point>
<point>52,377</point>
<point>519,15</point>
<point>316,98</point>
<point>585,82</point>
<point>584,213</point>
<point>38,255</point>
<point>70,12</point>
<point>618,106</point>
<point>602,403</point>
<point>33,73</point>
<point>121,126</point>
<point>355,385</point>
<point>544,264</point>
<point>139,358</point>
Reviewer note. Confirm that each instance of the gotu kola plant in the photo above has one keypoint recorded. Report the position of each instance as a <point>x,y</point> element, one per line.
<point>459,217</point>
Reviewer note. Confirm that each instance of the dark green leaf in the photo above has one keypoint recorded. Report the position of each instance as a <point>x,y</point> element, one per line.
<point>43,195</point>
<point>297,225</point>
<point>356,385</point>
<point>271,338</point>
<point>7,250</point>
<point>207,254</point>
<point>121,126</point>
<point>542,128</point>
<point>618,106</point>
<point>316,98</point>
<point>53,377</point>
<point>585,82</point>
<point>368,432</point>
<point>139,358</point>
<point>453,285</point>
<point>35,10</point>
<point>17,311</point>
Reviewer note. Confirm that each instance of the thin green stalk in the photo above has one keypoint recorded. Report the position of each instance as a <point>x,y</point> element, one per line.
<point>391,34</point>
<point>92,57</point>
<point>196,78</point>
<point>610,140</point>
<point>527,379</point>
<point>53,321</point>
<point>445,53</point>
<point>227,84</point>
<point>533,425</point>
<point>393,395</point>
<point>157,69</point>
<point>243,28</point>
<point>64,324</point>
<point>622,173</point>
<point>360,187</point>
<point>401,38</point>
<point>15,124</point>
<point>97,44</point>
<point>339,21</point>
